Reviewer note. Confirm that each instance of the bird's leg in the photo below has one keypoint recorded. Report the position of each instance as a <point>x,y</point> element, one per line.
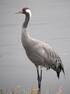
<point>39,77</point>
<point>40,74</point>
<point>37,74</point>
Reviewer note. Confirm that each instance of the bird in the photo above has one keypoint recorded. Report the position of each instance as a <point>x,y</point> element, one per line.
<point>40,53</point>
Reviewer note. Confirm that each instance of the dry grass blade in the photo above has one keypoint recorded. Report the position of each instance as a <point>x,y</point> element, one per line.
<point>60,91</point>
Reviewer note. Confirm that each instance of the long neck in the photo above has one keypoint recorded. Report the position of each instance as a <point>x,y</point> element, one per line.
<point>25,36</point>
<point>26,20</point>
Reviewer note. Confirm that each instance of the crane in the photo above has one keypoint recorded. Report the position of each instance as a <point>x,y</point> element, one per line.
<point>39,52</point>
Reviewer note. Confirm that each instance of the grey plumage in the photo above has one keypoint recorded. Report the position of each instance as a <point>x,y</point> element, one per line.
<point>40,53</point>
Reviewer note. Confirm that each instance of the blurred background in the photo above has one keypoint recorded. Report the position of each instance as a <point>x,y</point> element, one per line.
<point>50,22</point>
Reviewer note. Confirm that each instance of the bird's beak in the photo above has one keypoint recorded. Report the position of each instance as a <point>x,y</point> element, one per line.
<point>19,12</point>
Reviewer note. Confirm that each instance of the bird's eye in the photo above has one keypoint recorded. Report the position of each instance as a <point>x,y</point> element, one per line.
<point>23,10</point>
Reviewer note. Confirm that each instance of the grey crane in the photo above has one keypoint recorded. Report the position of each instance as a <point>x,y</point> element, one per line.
<point>39,52</point>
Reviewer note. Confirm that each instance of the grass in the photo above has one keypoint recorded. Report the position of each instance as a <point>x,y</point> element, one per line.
<point>32,91</point>
<point>1,91</point>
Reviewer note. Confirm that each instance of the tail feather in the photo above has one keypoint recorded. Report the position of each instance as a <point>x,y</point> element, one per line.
<point>62,68</point>
<point>59,69</point>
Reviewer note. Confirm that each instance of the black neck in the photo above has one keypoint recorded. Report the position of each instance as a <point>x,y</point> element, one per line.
<point>26,20</point>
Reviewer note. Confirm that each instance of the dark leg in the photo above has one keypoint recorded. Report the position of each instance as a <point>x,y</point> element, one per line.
<point>39,78</point>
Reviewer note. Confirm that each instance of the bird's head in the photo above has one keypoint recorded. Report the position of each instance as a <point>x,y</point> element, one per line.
<point>25,11</point>
<point>59,68</point>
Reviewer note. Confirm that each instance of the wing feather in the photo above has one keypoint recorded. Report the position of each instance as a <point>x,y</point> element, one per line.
<point>42,54</point>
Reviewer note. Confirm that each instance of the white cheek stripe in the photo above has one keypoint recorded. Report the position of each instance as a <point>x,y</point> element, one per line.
<point>29,11</point>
